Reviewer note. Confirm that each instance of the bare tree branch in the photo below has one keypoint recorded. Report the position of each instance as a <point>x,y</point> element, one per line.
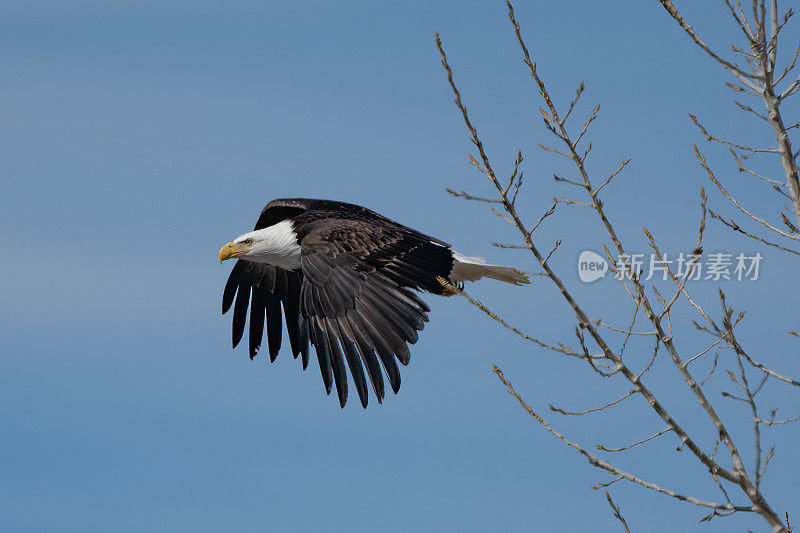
<point>617,512</point>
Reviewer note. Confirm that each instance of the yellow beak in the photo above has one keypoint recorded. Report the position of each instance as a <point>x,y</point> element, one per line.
<point>229,250</point>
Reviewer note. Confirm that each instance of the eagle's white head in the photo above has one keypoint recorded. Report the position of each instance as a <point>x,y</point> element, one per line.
<point>276,245</point>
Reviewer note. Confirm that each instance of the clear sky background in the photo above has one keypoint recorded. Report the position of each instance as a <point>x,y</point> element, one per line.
<point>137,137</point>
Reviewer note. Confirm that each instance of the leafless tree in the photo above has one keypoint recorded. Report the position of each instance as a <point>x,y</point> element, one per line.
<point>758,78</point>
<point>602,345</point>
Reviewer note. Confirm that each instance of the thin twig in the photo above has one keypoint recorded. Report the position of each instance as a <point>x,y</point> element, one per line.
<point>605,465</point>
<point>617,513</point>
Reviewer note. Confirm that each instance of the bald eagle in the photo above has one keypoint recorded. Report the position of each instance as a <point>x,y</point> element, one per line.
<point>346,278</point>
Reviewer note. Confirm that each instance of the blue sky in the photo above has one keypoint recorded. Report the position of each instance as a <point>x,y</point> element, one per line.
<point>140,136</point>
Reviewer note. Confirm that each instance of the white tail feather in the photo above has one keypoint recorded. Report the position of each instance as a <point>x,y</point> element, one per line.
<point>467,268</point>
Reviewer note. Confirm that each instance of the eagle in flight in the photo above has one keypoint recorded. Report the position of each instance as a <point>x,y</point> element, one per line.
<point>346,278</point>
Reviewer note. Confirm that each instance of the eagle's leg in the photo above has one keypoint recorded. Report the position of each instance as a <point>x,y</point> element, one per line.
<point>448,289</point>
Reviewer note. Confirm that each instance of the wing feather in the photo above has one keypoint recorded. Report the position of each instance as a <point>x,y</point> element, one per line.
<point>359,277</point>
<point>291,311</point>
<point>384,353</point>
<point>231,286</point>
<point>305,338</point>
<point>347,340</point>
<point>274,325</point>
<point>320,341</point>
<point>240,314</point>
<point>257,314</point>
<point>351,328</point>
<point>337,363</point>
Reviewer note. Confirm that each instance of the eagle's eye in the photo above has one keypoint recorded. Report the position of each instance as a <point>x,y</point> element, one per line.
<point>247,241</point>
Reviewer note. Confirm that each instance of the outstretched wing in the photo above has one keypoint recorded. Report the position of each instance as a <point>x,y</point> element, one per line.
<point>357,276</point>
<point>265,289</point>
